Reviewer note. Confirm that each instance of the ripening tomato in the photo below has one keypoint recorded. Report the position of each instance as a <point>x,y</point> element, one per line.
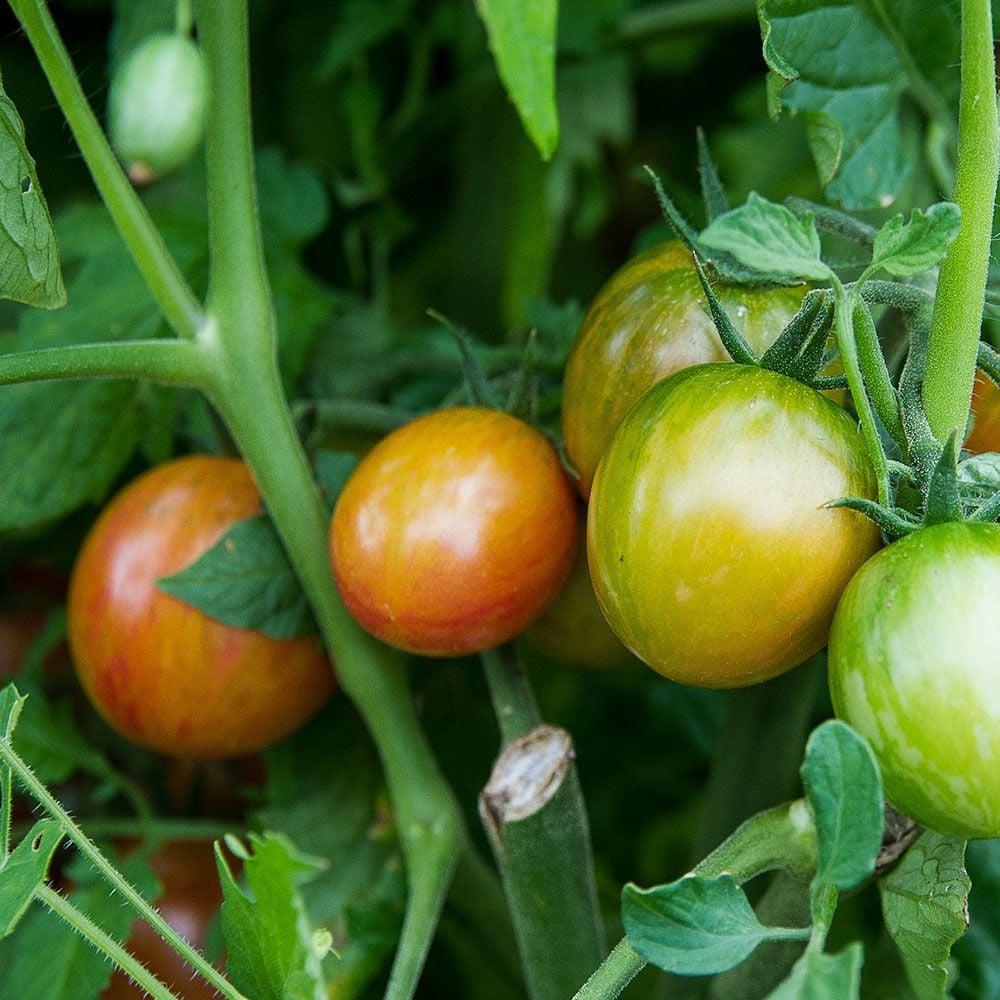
<point>711,550</point>
<point>454,532</point>
<point>189,901</point>
<point>573,629</point>
<point>914,665</point>
<point>159,671</point>
<point>647,322</point>
<point>985,433</point>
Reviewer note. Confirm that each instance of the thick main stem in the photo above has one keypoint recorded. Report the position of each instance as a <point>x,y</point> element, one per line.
<point>958,309</point>
<point>246,389</point>
<point>166,282</point>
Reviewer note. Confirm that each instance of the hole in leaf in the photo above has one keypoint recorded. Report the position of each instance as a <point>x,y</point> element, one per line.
<point>25,185</point>
<point>36,844</point>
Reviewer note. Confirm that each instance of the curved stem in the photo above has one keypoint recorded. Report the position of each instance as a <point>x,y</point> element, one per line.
<point>166,282</point>
<point>958,308</point>
<point>169,362</point>
<point>246,389</point>
<point>510,691</point>
<point>613,974</point>
<point>844,321</point>
<point>104,943</point>
<point>876,374</point>
<point>90,850</point>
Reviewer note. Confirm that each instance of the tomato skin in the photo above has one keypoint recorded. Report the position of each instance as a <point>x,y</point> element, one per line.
<point>190,899</point>
<point>573,629</point>
<point>985,433</point>
<point>710,549</point>
<point>454,532</point>
<point>160,672</point>
<point>914,664</point>
<point>647,322</point>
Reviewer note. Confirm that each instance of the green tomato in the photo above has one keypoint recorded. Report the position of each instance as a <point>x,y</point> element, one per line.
<point>156,107</point>
<point>712,551</point>
<point>915,668</point>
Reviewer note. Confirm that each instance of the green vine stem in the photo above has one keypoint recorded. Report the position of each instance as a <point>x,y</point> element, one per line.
<point>246,388</point>
<point>168,362</point>
<point>166,282</point>
<point>105,944</point>
<point>545,858</point>
<point>119,883</point>
<point>782,838</point>
<point>958,308</point>
<point>846,304</point>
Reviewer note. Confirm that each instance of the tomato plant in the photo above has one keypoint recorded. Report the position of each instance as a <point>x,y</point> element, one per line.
<point>648,321</point>
<point>161,672</point>
<point>454,532</point>
<point>189,901</point>
<point>913,653</point>
<point>711,550</point>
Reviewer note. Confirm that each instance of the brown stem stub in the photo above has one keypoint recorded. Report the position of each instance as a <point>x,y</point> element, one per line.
<point>525,776</point>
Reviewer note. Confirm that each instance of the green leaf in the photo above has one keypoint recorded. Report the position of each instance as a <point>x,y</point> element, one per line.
<point>908,248</point>
<point>361,25</point>
<point>768,237</point>
<point>522,38</point>
<point>819,976</point>
<point>324,790</point>
<point>696,926</point>
<point>924,901</point>
<point>844,788</point>
<point>29,259</point>
<point>844,65</point>
<point>246,580</point>
<point>24,869</point>
<point>270,949</point>
<point>46,959</point>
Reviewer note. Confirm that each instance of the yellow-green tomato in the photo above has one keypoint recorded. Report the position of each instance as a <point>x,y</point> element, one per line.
<point>711,549</point>
<point>647,322</point>
<point>915,668</point>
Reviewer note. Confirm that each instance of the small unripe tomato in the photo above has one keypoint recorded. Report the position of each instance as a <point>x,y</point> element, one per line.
<point>156,106</point>
<point>189,901</point>
<point>711,548</point>
<point>648,321</point>
<point>454,532</point>
<point>160,672</point>
<point>914,664</point>
<point>573,629</point>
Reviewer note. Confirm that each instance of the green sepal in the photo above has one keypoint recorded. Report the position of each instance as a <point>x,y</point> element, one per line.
<point>800,350</point>
<point>943,503</point>
<point>713,194</point>
<point>988,511</point>
<point>891,522</point>
<point>988,362</point>
<point>473,372</point>
<point>522,402</point>
<point>831,220</point>
<point>727,267</point>
<point>732,340</point>
<point>924,449</point>
<point>824,382</point>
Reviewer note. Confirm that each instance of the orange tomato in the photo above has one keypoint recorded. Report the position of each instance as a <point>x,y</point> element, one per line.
<point>454,532</point>
<point>985,433</point>
<point>160,672</point>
